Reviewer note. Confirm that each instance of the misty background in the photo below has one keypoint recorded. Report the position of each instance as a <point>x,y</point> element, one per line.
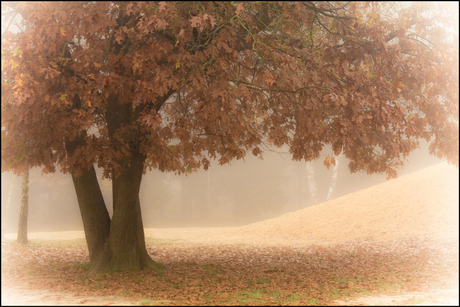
<point>239,193</point>
<point>235,194</point>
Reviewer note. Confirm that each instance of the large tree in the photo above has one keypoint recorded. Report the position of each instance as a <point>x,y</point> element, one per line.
<point>168,85</point>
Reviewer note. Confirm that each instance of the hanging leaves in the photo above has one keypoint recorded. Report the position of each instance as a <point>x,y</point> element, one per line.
<point>222,79</point>
<point>17,52</point>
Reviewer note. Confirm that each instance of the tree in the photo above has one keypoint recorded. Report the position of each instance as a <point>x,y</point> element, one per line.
<point>335,172</point>
<point>311,183</point>
<point>24,213</point>
<point>6,209</point>
<point>167,85</point>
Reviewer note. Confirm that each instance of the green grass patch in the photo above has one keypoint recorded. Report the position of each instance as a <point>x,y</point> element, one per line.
<point>261,297</point>
<point>388,287</point>
<point>176,286</point>
<point>138,280</point>
<point>253,297</point>
<point>212,270</point>
<point>416,301</point>
<point>275,270</point>
<point>145,302</point>
<point>262,281</point>
<point>334,293</point>
<point>83,266</point>
<point>345,280</point>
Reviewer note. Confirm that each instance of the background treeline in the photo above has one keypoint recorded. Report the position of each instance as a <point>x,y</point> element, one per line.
<point>231,195</point>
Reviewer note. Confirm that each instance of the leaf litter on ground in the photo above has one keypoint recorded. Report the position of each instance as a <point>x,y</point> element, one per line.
<point>245,274</point>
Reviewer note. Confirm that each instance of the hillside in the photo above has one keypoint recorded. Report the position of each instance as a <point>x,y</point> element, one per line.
<point>423,203</point>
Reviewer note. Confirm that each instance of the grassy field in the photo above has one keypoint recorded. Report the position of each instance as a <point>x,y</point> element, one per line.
<point>410,272</point>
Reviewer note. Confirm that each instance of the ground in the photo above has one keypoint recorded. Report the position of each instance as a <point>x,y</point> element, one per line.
<point>391,244</point>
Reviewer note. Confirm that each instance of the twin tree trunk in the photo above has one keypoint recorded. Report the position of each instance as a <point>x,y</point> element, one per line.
<point>116,244</point>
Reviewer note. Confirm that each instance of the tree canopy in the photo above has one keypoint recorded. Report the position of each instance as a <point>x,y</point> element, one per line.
<point>168,85</point>
<point>221,79</point>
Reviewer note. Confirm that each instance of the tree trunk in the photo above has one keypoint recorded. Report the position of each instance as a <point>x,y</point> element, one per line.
<point>94,214</point>
<point>7,208</point>
<point>95,217</point>
<point>22,227</point>
<point>335,172</point>
<point>118,244</point>
<point>311,183</point>
<point>125,248</point>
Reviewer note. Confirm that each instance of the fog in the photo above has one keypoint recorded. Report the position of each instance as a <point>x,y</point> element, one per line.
<point>242,192</point>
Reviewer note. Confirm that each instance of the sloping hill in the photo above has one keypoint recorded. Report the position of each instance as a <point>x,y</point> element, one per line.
<point>424,203</point>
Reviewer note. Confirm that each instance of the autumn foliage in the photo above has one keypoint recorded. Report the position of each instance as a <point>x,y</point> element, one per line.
<point>169,85</point>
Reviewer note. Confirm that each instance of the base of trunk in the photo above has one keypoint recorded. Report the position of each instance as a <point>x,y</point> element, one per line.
<point>135,260</point>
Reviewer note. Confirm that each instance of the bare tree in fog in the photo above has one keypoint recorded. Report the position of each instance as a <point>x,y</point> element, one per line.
<point>15,22</point>
<point>335,172</point>
<point>24,213</point>
<point>6,208</point>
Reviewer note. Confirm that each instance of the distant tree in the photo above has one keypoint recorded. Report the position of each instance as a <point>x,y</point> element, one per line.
<point>6,207</point>
<point>23,215</point>
<point>312,187</point>
<point>166,85</point>
<point>335,172</point>
<point>24,212</point>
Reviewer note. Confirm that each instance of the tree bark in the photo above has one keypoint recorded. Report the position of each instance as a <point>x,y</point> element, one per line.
<point>95,217</point>
<point>312,183</point>
<point>94,214</point>
<point>22,227</point>
<point>125,248</point>
<point>335,172</point>
<point>7,209</point>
